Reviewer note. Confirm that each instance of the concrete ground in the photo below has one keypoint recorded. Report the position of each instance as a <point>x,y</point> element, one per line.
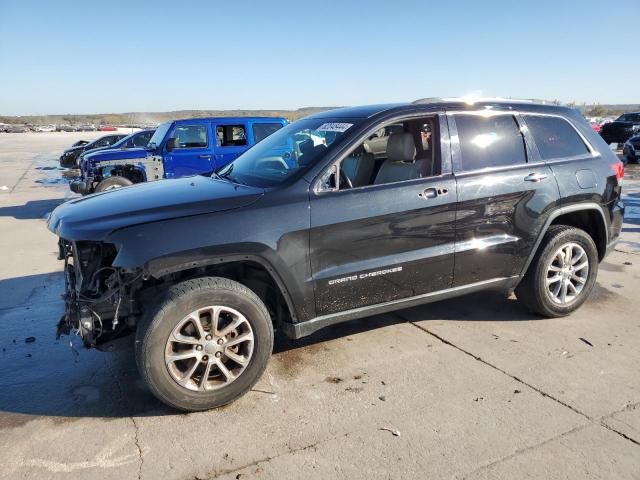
<point>474,387</point>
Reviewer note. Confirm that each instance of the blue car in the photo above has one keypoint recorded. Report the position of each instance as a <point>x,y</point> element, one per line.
<point>177,149</point>
<point>135,140</point>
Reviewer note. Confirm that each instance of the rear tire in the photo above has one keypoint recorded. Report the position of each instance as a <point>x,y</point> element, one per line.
<point>543,290</point>
<point>112,183</point>
<point>160,337</point>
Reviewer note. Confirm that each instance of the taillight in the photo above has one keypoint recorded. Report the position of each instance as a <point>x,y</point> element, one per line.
<point>618,167</point>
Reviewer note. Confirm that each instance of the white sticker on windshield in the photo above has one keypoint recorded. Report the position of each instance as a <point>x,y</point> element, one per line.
<point>334,127</point>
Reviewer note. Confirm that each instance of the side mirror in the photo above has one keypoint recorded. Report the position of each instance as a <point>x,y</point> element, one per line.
<point>171,144</point>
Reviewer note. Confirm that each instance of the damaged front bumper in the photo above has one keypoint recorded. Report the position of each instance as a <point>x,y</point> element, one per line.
<point>99,298</point>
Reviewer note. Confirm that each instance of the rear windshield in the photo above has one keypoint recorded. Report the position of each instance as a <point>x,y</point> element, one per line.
<point>289,151</point>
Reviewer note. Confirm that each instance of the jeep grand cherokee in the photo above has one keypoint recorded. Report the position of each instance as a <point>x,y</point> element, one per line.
<point>341,215</point>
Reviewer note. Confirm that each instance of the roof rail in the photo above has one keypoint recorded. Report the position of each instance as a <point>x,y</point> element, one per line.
<point>470,99</point>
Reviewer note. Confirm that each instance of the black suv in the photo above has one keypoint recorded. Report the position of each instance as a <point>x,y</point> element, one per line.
<point>620,130</point>
<point>340,215</point>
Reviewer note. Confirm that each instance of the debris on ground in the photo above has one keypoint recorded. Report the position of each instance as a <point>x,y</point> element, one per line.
<point>333,380</point>
<point>477,399</point>
<point>29,339</point>
<point>382,398</point>
<point>627,263</point>
<point>394,431</point>
<point>585,341</point>
<point>354,389</point>
<point>517,391</point>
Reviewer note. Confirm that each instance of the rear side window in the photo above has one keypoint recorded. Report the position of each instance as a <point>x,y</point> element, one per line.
<point>190,136</point>
<point>555,137</point>
<point>263,130</point>
<point>493,141</point>
<point>231,135</point>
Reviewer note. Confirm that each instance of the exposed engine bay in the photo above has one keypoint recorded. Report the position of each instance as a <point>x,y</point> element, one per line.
<point>101,301</point>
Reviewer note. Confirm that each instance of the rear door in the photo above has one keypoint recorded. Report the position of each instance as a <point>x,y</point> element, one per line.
<point>504,195</point>
<point>192,153</point>
<point>231,140</point>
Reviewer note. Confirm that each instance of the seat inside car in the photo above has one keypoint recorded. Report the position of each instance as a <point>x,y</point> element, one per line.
<point>400,163</point>
<point>358,167</point>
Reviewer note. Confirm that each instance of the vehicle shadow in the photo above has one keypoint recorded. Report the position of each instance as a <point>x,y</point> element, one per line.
<point>45,376</point>
<point>32,210</point>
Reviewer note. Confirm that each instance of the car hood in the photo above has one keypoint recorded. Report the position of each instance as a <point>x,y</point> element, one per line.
<point>115,154</point>
<point>79,148</point>
<point>95,216</point>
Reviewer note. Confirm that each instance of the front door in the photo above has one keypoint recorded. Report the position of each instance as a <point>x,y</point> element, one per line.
<point>504,194</point>
<point>192,153</point>
<point>385,238</point>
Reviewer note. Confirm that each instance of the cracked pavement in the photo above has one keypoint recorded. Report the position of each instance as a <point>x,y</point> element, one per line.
<point>477,387</point>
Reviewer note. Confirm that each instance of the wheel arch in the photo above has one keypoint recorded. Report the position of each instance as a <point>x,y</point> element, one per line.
<point>587,216</point>
<point>230,266</point>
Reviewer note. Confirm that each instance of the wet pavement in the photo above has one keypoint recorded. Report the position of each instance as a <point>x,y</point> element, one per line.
<point>476,387</point>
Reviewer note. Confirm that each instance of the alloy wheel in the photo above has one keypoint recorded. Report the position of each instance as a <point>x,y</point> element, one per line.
<point>567,273</point>
<point>209,348</point>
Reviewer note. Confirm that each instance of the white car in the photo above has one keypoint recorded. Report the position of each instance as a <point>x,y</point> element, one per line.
<point>44,128</point>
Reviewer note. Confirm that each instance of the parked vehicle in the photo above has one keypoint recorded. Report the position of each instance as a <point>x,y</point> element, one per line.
<point>178,148</point>
<point>631,149</point>
<point>620,130</point>
<point>69,159</point>
<point>463,199</point>
<point>44,128</point>
<point>17,129</point>
<point>66,128</point>
<point>596,126</point>
<point>87,128</point>
<point>107,128</point>
<point>138,139</point>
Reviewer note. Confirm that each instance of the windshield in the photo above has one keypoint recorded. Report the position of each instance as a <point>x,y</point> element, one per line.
<point>157,138</point>
<point>286,152</point>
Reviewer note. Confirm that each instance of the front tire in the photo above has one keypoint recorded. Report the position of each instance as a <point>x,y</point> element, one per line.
<point>562,273</point>
<point>111,183</point>
<point>205,344</point>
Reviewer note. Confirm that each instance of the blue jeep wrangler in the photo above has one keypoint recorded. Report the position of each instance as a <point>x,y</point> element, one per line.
<point>177,149</point>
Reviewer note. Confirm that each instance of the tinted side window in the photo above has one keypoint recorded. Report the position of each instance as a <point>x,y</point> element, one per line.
<point>142,139</point>
<point>231,135</point>
<point>190,136</point>
<point>263,130</point>
<point>493,141</point>
<point>555,137</point>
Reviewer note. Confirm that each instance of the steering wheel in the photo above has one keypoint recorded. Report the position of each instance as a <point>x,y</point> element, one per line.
<point>345,179</point>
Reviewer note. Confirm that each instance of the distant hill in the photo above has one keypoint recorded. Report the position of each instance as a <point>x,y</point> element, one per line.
<point>151,118</point>
<point>143,118</point>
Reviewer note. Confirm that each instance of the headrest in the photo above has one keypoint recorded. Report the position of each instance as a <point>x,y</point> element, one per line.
<point>401,147</point>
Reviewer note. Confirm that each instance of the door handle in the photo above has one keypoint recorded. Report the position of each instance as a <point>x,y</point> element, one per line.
<point>205,157</point>
<point>535,177</point>
<point>433,192</point>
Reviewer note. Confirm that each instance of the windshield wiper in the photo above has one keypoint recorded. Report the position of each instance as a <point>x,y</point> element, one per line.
<point>227,175</point>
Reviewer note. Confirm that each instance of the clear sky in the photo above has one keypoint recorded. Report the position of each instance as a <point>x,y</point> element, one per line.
<point>116,56</point>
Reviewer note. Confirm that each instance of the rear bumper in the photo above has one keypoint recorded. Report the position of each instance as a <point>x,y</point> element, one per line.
<point>617,219</point>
